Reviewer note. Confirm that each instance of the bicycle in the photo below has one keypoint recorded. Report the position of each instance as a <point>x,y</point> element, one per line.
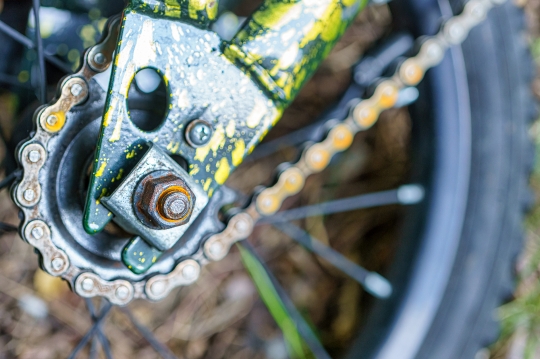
<point>149,210</point>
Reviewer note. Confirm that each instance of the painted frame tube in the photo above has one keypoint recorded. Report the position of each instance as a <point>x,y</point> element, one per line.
<point>285,41</point>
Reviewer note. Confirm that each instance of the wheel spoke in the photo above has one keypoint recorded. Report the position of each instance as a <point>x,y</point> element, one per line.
<point>406,195</point>
<point>160,348</point>
<point>20,38</point>
<point>40,54</point>
<point>6,227</point>
<point>10,178</point>
<point>99,331</point>
<point>303,328</point>
<point>291,139</point>
<point>91,332</point>
<point>372,282</point>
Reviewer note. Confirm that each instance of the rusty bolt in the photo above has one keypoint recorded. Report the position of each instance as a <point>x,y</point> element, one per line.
<point>163,200</point>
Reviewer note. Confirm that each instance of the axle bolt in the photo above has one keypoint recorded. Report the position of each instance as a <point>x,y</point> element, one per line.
<point>163,200</point>
<point>174,205</point>
<point>198,133</point>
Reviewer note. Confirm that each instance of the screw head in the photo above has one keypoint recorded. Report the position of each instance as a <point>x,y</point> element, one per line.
<point>99,58</point>
<point>198,133</point>
<point>122,292</point>
<point>57,263</point>
<point>37,232</point>
<point>76,89</point>
<point>29,195</point>
<point>87,284</point>
<point>34,156</point>
<point>52,120</point>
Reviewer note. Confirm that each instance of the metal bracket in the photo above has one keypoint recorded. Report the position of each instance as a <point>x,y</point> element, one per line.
<point>121,201</point>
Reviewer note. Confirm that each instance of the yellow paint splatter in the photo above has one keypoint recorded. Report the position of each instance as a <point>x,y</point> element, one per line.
<point>194,170</point>
<point>207,184</point>
<point>101,169</point>
<point>108,115</point>
<point>223,171</point>
<point>238,152</point>
<point>217,141</point>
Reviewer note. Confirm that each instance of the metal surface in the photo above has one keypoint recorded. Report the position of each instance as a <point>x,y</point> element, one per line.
<point>121,201</point>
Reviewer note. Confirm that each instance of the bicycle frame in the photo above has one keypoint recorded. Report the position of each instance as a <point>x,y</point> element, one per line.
<point>240,87</point>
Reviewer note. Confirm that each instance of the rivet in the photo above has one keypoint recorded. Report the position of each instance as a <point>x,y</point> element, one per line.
<point>189,272</point>
<point>158,287</point>
<point>37,232</point>
<point>34,156</point>
<point>57,263</point>
<point>87,284</point>
<point>52,120</point>
<point>29,195</point>
<point>216,248</point>
<point>241,225</point>
<point>122,292</point>
<point>99,58</point>
<point>76,89</point>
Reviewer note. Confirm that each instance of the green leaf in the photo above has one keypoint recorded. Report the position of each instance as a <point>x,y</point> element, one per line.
<point>275,305</point>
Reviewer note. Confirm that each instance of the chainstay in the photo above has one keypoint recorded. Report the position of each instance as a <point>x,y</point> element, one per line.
<point>73,90</point>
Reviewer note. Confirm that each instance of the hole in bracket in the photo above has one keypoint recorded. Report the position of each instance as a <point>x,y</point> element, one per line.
<point>147,101</point>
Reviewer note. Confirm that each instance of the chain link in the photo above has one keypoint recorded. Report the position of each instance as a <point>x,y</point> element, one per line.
<point>315,158</point>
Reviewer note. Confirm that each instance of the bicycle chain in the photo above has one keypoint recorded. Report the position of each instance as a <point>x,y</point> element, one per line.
<point>363,114</point>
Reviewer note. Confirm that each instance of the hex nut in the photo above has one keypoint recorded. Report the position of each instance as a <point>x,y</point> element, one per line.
<point>163,200</point>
